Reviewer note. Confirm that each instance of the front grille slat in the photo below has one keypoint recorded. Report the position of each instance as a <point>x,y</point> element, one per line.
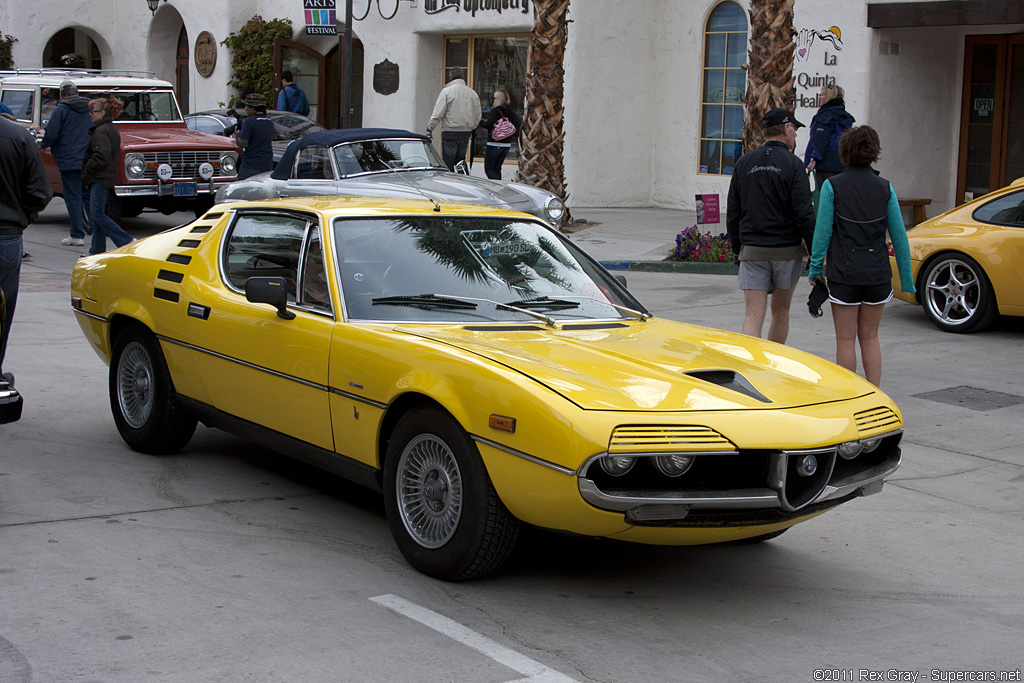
<point>183,164</point>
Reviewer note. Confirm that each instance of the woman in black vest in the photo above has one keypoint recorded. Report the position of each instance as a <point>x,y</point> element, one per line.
<point>856,210</point>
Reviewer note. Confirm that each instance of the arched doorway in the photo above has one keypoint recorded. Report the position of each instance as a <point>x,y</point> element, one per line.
<point>181,72</point>
<point>72,49</point>
<point>318,76</point>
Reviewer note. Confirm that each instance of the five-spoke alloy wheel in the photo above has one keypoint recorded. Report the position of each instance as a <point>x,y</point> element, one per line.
<point>956,294</point>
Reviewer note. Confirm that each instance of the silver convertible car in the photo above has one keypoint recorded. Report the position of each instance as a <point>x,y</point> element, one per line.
<point>382,162</point>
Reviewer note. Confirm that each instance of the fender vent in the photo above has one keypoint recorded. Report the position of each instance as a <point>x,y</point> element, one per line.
<point>666,438</point>
<point>876,420</point>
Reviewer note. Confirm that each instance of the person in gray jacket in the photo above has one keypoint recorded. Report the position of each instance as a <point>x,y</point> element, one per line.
<point>457,110</point>
<point>24,192</point>
<point>67,136</point>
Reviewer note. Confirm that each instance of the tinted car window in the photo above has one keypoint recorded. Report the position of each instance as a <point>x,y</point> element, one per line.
<point>313,163</point>
<point>293,127</point>
<point>20,103</point>
<point>1006,210</point>
<point>264,246</point>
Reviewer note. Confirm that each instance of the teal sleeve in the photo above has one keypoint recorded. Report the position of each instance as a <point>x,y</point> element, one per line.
<point>900,245</point>
<point>822,229</point>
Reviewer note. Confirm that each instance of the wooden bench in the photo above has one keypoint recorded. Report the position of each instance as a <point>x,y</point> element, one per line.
<point>918,206</point>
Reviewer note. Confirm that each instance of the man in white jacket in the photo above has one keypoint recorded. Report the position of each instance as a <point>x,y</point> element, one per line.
<point>458,111</point>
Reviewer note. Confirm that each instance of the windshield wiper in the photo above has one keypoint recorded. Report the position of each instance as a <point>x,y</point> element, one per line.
<point>426,301</point>
<point>545,302</point>
<point>640,315</point>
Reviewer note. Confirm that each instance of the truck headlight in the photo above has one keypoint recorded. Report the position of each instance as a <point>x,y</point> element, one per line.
<point>228,163</point>
<point>135,165</point>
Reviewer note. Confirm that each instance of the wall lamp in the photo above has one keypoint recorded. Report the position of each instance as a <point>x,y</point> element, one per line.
<point>153,4</point>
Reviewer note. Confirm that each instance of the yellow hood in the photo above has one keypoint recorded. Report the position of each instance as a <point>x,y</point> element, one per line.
<point>642,366</point>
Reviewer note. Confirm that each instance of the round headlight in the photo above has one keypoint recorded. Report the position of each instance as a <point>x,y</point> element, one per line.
<point>849,450</point>
<point>205,171</point>
<point>164,172</point>
<point>673,465</point>
<point>869,445</point>
<point>617,465</point>
<point>228,164</point>
<point>807,466</point>
<point>554,209</point>
<point>135,165</point>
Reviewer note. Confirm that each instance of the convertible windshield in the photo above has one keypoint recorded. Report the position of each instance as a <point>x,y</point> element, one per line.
<point>470,269</point>
<point>143,105</point>
<point>381,155</point>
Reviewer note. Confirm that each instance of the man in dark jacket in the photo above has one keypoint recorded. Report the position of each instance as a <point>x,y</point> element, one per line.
<point>67,136</point>
<point>24,192</point>
<point>769,220</point>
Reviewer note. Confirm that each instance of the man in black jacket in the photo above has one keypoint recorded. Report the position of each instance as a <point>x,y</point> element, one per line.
<point>24,192</point>
<point>769,218</point>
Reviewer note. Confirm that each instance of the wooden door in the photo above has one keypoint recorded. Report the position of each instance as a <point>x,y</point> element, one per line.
<point>308,69</point>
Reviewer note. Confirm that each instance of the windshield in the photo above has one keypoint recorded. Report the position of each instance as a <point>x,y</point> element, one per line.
<point>469,269</point>
<point>381,155</point>
<point>143,105</point>
<point>293,127</point>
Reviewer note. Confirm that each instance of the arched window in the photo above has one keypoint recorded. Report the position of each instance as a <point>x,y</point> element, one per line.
<point>725,82</point>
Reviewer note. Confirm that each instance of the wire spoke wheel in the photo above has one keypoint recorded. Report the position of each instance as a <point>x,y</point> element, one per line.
<point>430,491</point>
<point>135,384</point>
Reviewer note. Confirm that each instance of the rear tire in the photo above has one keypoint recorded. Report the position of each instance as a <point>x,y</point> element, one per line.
<point>444,513</point>
<point>146,412</point>
<point>956,294</point>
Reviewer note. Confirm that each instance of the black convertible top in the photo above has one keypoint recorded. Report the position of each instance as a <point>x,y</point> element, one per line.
<point>329,138</point>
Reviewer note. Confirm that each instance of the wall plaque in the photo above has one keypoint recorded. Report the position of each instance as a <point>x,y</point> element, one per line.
<point>205,54</point>
<point>385,77</point>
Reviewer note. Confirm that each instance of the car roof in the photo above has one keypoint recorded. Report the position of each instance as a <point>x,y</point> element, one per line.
<point>329,138</point>
<point>100,80</point>
<point>372,207</point>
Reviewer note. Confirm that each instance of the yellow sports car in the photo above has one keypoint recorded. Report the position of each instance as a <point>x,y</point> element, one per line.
<point>967,262</point>
<point>480,370</point>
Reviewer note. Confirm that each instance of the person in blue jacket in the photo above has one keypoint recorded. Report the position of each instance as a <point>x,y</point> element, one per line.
<point>856,210</point>
<point>827,126</point>
<point>292,98</point>
<point>67,136</point>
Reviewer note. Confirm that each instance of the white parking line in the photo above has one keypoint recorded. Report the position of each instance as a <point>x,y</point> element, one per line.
<point>535,672</point>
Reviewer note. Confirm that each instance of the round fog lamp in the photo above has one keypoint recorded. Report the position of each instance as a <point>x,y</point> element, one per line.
<point>807,466</point>
<point>205,171</point>
<point>673,465</point>
<point>164,172</point>
<point>869,445</point>
<point>849,450</point>
<point>617,465</point>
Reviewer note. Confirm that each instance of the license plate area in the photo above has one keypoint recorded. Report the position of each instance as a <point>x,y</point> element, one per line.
<point>185,189</point>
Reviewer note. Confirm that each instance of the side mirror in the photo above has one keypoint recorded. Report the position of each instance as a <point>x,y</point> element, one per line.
<point>269,290</point>
<point>461,168</point>
<point>621,279</point>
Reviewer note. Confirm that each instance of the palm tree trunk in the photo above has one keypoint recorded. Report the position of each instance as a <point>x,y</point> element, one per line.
<point>770,81</point>
<point>541,140</point>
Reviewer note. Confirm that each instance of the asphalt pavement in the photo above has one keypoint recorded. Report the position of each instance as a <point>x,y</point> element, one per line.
<point>227,562</point>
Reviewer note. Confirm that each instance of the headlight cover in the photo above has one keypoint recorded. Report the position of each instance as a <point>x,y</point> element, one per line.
<point>135,165</point>
<point>228,163</point>
<point>617,465</point>
<point>554,209</point>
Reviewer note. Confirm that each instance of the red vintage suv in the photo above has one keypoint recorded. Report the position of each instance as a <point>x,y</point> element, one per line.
<point>163,166</point>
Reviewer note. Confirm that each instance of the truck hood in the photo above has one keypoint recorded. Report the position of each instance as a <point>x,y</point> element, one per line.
<point>143,137</point>
<point>658,365</point>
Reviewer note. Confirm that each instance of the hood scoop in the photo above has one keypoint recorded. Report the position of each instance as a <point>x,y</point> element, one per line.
<point>728,379</point>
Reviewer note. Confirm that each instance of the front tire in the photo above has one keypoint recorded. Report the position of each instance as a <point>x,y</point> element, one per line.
<point>147,415</point>
<point>444,513</point>
<point>957,296</point>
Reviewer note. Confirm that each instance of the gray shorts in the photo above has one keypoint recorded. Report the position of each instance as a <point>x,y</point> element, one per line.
<point>769,275</point>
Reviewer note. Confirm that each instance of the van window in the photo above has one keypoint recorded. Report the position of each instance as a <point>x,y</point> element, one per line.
<point>20,103</point>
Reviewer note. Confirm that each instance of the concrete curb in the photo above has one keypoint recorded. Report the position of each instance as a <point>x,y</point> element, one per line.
<point>674,267</point>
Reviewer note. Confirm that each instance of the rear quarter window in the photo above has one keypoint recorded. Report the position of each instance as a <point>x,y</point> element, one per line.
<point>1005,210</point>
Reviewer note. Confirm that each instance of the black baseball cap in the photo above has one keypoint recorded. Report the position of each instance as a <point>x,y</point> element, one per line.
<point>779,116</point>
